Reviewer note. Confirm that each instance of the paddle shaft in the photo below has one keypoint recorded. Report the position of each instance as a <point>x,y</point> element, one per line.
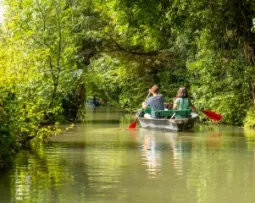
<point>145,100</point>
<point>133,124</point>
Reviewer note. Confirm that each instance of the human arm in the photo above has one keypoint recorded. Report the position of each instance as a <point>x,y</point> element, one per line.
<point>147,100</point>
<point>144,105</point>
<point>175,105</point>
<point>193,107</point>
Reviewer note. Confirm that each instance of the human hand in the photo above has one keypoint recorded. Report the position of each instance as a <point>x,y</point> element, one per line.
<point>144,105</point>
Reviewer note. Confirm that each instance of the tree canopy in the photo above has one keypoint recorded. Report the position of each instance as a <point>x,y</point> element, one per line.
<point>56,53</point>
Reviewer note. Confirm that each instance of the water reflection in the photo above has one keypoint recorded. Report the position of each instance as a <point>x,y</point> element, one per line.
<point>155,142</point>
<point>151,155</point>
<point>213,139</point>
<point>104,161</point>
<point>176,146</point>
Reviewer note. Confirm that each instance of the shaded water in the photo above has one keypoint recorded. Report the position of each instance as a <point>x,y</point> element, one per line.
<point>103,161</point>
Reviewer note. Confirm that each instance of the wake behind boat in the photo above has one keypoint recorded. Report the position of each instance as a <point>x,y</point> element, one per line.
<point>174,120</point>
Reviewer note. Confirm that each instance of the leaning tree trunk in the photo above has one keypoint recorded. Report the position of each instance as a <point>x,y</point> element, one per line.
<point>244,24</point>
<point>249,53</point>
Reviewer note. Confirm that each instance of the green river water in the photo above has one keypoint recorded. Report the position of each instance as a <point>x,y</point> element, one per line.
<point>102,161</point>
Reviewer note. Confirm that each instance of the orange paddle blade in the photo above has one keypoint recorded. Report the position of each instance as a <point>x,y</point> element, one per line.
<point>212,115</point>
<point>133,125</point>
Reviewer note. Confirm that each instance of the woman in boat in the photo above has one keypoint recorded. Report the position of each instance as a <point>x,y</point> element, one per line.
<point>156,102</point>
<point>182,100</point>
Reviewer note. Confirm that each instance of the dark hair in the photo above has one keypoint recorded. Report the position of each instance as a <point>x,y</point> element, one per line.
<point>155,89</point>
<point>182,93</point>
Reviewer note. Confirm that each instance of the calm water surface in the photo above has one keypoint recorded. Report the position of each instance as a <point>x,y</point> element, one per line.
<point>103,161</point>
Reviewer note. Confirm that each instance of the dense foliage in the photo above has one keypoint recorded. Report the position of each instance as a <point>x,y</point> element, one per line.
<point>55,53</point>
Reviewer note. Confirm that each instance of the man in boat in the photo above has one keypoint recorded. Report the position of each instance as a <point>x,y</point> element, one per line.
<point>156,102</point>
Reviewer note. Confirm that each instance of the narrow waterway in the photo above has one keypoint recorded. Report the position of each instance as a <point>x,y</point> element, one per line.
<point>103,161</point>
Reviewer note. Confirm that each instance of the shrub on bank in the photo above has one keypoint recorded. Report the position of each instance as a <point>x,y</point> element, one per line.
<point>250,119</point>
<point>8,143</point>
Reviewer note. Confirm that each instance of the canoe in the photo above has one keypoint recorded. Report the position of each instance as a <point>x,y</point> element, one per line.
<point>173,120</point>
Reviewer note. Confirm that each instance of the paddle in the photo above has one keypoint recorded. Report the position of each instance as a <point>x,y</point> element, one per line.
<point>133,124</point>
<point>212,115</point>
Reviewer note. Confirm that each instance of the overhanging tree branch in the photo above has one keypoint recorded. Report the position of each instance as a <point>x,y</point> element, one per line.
<point>153,53</point>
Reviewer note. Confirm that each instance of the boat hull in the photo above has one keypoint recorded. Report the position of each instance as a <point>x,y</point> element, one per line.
<point>179,124</point>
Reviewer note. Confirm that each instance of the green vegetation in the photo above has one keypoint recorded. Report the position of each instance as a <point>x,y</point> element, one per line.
<point>55,53</point>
